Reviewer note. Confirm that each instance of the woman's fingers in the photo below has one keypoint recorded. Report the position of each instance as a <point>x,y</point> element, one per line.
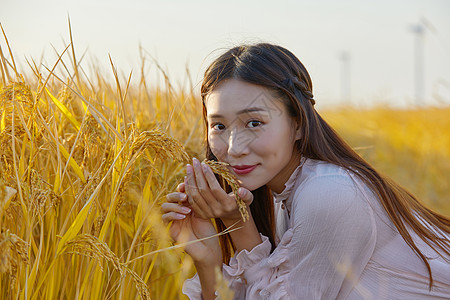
<point>176,197</point>
<point>205,195</point>
<point>219,194</point>
<point>180,188</point>
<point>226,202</point>
<point>195,199</point>
<point>173,212</point>
<point>172,216</point>
<point>245,195</point>
<point>203,186</point>
<point>173,207</point>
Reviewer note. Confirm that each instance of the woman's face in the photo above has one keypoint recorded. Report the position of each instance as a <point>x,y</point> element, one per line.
<point>251,130</point>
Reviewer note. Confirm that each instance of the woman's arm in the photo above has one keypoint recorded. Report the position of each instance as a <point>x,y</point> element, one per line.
<point>247,237</point>
<point>187,227</point>
<point>207,276</point>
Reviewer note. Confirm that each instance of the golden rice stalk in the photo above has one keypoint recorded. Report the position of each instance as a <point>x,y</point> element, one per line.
<point>6,194</point>
<point>15,96</point>
<point>161,143</point>
<point>92,130</point>
<point>98,223</point>
<point>123,187</point>
<point>40,192</point>
<point>88,245</point>
<point>140,285</point>
<point>12,250</point>
<point>17,91</point>
<point>87,189</point>
<point>6,170</point>
<point>164,145</point>
<point>221,169</point>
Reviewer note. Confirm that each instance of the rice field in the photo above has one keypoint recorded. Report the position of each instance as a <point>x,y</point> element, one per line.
<point>411,146</point>
<point>85,163</point>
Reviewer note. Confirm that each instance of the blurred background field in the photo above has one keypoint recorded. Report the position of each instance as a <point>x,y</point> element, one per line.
<point>412,146</point>
<point>86,158</point>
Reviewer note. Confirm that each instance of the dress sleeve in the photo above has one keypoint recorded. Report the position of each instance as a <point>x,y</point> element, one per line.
<point>233,273</point>
<point>322,256</point>
<point>332,239</point>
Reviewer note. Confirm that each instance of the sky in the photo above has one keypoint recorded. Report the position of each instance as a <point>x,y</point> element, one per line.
<point>375,36</point>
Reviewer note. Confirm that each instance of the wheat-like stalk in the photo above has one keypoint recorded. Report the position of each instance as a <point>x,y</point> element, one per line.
<point>13,251</point>
<point>160,142</point>
<point>88,245</point>
<point>221,169</point>
<point>141,286</point>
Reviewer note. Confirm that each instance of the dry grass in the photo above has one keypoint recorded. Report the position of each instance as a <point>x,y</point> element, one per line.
<point>83,170</point>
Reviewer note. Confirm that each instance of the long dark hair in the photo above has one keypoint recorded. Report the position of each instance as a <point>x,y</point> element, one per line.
<point>277,69</point>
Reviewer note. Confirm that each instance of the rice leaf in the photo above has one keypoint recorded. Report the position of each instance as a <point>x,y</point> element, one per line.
<point>76,168</point>
<point>3,121</point>
<point>64,110</point>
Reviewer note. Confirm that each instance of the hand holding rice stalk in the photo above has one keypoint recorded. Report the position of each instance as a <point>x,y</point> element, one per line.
<point>221,169</point>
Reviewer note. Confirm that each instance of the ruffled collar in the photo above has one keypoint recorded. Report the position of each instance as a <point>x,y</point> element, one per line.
<point>289,185</point>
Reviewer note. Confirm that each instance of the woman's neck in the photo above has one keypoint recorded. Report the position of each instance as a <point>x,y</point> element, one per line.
<point>277,184</point>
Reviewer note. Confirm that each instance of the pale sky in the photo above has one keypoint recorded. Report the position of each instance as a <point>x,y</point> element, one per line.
<point>376,34</point>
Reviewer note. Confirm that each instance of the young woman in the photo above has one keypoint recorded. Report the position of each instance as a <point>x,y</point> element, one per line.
<point>323,223</point>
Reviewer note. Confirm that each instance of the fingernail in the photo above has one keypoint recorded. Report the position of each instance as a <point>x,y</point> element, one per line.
<point>196,162</point>
<point>180,216</point>
<point>183,196</point>
<point>241,192</point>
<point>186,209</point>
<point>188,168</point>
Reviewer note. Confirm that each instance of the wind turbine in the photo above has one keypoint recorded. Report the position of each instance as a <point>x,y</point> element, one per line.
<point>419,31</point>
<point>344,57</point>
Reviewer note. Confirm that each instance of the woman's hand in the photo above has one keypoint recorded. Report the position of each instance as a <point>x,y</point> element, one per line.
<point>208,199</point>
<point>187,227</point>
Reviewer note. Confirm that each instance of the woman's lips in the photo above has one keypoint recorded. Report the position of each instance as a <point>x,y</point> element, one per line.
<point>245,169</point>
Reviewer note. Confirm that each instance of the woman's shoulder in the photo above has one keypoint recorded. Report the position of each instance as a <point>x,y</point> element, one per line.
<point>323,175</point>
<point>326,187</point>
<point>329,205</point>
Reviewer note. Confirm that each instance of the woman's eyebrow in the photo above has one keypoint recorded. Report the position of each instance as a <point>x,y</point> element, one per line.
<point>243,111</point>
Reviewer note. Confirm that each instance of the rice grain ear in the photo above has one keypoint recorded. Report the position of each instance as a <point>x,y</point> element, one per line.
<point>6,194</point>
<point>221,169</point>
<point>13,250</point>
<point>160,142</point>
<point>90,246</point>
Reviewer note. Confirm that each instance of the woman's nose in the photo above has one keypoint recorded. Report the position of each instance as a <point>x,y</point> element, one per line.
<point>238,143</point>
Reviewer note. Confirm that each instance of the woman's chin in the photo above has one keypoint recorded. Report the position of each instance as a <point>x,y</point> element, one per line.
<point>249,186</point>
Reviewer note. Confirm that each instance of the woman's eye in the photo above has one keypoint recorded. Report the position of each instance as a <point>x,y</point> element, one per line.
<point>254,123</point>
<point>218,126</point>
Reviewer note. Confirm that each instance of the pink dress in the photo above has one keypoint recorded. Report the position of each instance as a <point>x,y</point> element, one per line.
<point>334,241</point>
